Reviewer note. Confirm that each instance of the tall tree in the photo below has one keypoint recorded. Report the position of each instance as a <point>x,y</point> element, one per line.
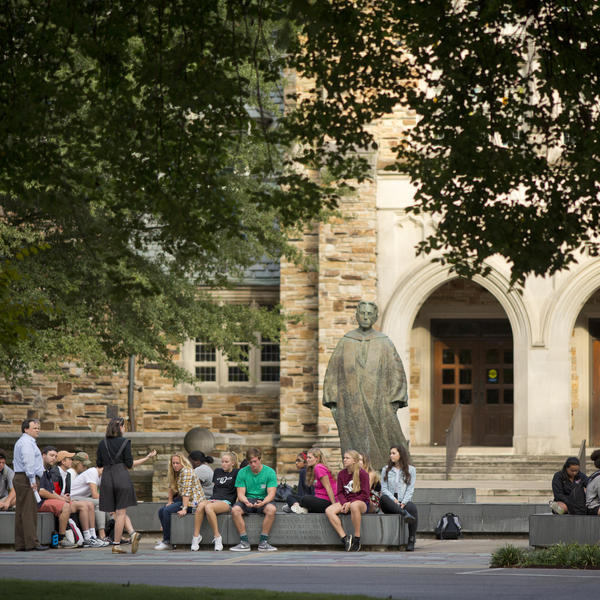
<point>134,146</point>
<point>507,146</point>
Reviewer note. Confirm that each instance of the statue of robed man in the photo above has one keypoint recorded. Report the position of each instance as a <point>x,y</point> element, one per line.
<point>364,386</point>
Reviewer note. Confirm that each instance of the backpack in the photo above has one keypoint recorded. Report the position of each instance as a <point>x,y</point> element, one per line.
<point>73,533</point>
<point>448,527</point>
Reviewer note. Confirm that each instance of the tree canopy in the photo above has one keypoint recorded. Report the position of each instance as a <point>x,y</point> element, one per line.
<point>505,153</point>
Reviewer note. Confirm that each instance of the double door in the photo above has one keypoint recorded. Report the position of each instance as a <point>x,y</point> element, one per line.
<point>478,374</point>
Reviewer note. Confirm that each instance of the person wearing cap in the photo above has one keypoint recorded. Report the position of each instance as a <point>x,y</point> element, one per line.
<point>63,463</point>
<point>7,489</point>
<point>58,502</point>
<point>203,472</point>
<point>79,463</point>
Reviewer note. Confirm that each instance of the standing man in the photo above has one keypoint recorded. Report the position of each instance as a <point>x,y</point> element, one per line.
<point>7,490</point>
<point>28,466</point>
<point>256,486</point>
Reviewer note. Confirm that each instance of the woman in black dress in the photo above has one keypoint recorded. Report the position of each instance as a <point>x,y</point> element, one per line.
<point>116,488</point>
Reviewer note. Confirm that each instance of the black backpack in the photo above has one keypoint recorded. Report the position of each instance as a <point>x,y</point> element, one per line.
<point>448,527</point>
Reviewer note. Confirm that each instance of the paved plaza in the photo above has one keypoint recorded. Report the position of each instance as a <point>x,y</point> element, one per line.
<point>438,569</point>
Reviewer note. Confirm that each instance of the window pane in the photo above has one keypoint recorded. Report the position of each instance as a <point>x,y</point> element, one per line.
<point>205,353</point>
<point>508,396</point>
<point>492,396</point>
<point>464,357</point>
<point>206,373</point>
<point>269,373</point>
<point>508,376</point>
<point>465,376</point>
<point>448,396</point>
<point>508,357</point>
<point>447,376</point>
<point>492,355</point>
<point>236,374</point>
<point>269,353</point>
<point>448,357</point>
<point>464,396</point>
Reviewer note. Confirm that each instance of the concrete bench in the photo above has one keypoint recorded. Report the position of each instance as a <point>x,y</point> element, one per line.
<point>144,516</point>
<point>481,518</point>
<point>295,530</point>
<point>548,529</point>
<point>445,495</point>
<point>45,527</point>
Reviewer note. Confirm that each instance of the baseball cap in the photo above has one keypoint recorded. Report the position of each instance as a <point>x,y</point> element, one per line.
<point>83,458</point>
<point>64,454</point>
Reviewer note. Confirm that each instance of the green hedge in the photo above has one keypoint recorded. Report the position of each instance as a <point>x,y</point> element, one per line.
<point>564,556</point>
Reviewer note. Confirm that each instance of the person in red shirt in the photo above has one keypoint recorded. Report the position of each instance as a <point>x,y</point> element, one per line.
<point>352,497</point>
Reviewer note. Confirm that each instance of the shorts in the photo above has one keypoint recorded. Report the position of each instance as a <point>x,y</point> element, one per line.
<point>220,500</point>
<point>52,505</point>
<point>248,510</point>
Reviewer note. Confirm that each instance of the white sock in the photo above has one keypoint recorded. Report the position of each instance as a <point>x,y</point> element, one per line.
<point>86,535</point>
<point>93,532</point>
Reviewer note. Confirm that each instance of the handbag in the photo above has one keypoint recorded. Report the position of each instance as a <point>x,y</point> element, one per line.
<point>283,491</point>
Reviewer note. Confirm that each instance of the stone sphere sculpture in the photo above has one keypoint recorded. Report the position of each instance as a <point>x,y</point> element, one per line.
<point>199,438</point>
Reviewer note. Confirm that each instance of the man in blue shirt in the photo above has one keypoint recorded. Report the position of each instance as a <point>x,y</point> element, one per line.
<point>28,466</point>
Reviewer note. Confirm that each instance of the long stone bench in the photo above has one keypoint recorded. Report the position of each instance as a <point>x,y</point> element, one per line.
<point>45,527</point>
<point>295,530</point>
<point>445,495</point>
<point>501,519</point>
<point>548,529</point>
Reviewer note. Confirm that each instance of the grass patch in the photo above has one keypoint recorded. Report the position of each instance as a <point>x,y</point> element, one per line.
<point>561,556</point>
<point>17,589</point>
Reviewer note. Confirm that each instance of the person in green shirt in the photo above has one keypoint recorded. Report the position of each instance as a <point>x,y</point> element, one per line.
<point>256,486</point>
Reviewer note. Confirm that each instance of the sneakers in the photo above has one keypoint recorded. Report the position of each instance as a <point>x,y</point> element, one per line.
<point>218,543</point>
<point>347,542</point>
<point>286,508</point>
<point>355,546</point>
<point>299,510</point>
<point>196,539</point>
<point>116,549</point>
<point>65,543</point>
<point>162,546</point>
<point>241,547</point>
<point>94,543</point>
<point>135,541</point>
<point>556,508</point>
<point>264,546</point>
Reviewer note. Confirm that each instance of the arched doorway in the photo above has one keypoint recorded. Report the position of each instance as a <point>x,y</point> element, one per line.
<point>471,363</point>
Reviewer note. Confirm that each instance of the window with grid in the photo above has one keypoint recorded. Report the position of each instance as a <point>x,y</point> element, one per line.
<point>238,371</point>
<point>205,361</point>
<point>269,360</point>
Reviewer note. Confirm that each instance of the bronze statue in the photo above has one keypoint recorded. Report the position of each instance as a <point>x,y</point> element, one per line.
<point>364,386</point>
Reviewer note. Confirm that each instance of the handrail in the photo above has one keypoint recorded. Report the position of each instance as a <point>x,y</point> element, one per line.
<point>453,439</point>
<point>581,456</point>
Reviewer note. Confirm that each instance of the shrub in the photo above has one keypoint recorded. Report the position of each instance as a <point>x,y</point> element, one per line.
<point>565,556</point>
<point>508,556</point>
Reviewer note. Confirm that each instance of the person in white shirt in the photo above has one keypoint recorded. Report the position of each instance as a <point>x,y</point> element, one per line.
<point>85,487</point>
<point>203,472</point>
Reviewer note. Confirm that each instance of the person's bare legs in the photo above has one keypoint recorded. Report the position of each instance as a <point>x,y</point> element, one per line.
<point>269,512</point>
<point>120,517</point>
<point>332,512</point>
<point>238,519</point>
<point>63,519</point>
<point>199,517</point>
<point>357,508</point>
<point>212,509</point>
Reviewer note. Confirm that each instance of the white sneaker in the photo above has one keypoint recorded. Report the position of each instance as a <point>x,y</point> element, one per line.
<point>299,510</point>
<point>218,544</point>
<point>162,546</point>
<point>196,543</point>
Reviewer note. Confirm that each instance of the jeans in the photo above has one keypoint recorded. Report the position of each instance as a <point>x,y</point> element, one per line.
<point>388,506</point>
<point>164,515</point>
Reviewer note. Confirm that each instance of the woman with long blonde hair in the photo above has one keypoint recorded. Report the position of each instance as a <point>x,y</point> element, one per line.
<point>352,497</point>
<point>185,492</point>
<point>224,494</point>
<point>374,482</point>
<point>325,487</point>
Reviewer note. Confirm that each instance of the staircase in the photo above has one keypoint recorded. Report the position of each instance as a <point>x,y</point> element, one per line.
<point>496,477</point>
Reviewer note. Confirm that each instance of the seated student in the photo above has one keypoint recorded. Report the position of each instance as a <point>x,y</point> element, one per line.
<point>293,500</point>
<point>374,482</point>
<point>224,495</point>
<point>61,505</point>
<point>592,492</point>
<point>325,487</point>
<point>8,497</point>
<point>352,497</point>
<point>256,486</point>
<point>63,464</point>
<point>185,493</point>
<point>568,486</point>
<point>397,488</point>
<point>86,487</point>
<point>203,472</point>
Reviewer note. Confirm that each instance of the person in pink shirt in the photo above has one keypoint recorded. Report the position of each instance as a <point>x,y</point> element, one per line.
<point>320,476</point>
<point>352,497</point>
